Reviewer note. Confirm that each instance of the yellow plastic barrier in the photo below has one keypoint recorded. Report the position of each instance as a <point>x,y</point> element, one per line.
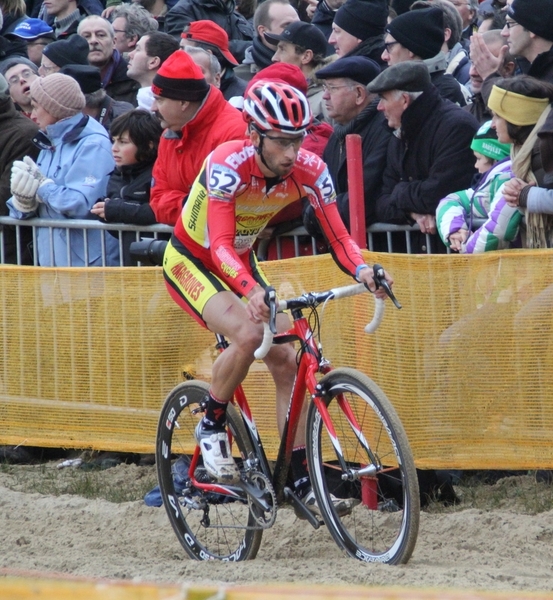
<point>16,588</point>
<point>89,355</point>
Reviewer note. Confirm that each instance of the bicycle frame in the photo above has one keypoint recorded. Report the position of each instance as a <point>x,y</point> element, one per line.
<point>311,362</point>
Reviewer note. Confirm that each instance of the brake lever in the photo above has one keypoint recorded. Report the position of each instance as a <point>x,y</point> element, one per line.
<point>270,301</point>
<point>380,281</point>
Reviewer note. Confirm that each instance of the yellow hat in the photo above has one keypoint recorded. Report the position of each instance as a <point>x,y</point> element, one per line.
<point>516,108</point>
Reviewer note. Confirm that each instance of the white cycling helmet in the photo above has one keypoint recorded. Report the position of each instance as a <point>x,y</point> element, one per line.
<point>277,107</point>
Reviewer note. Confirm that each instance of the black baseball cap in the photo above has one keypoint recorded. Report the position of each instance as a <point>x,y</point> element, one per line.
<point>301,34</point>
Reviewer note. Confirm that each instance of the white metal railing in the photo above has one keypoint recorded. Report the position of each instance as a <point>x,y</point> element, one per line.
<point>151,231</point>
<point>384,230</point>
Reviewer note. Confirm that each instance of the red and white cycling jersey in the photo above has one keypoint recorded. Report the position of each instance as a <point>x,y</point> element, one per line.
<point>229,206</point>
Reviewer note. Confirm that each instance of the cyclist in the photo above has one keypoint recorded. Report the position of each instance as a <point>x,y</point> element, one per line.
<point>211,271</point>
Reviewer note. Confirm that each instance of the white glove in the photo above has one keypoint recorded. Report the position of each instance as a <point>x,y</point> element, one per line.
<point>23,187</point>
<point>33,169</point>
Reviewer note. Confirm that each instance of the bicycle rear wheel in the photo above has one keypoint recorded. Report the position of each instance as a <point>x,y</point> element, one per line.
<point>208,525</point>
<point>383,524</point>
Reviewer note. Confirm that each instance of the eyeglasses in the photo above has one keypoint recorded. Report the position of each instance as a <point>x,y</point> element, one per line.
<point>388,45</point>
<point>25,74</point>
<point>332,88</point>
<point>457,4</point>
<point>510,24</point>
<point>285,143</point>
<point>38,43</point>
<point>45,69</point>
<point>120,31</point>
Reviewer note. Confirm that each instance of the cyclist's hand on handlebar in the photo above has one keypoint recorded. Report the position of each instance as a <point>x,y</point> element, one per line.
<point>366,276</point>
<point>257,309</point>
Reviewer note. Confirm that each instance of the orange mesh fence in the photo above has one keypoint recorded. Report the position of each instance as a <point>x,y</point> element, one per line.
<point>89,355</point>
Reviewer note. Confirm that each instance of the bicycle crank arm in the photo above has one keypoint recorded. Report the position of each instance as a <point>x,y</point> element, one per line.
<point>255,494</point>
<point>300,509</point>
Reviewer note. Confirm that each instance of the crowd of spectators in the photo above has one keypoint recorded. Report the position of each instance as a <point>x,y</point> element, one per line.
<point>418,81</point>
<point>108,110</point>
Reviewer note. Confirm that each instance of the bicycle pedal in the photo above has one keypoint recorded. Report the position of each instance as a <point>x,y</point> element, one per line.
<point>302,512</point>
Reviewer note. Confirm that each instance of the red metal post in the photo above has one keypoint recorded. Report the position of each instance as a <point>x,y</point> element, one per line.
<point>354,157</point>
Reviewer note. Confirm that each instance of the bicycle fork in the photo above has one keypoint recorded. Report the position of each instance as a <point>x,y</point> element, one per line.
<point>365,474</point>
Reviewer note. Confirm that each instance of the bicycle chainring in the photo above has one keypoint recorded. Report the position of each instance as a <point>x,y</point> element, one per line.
<point>264,518</point>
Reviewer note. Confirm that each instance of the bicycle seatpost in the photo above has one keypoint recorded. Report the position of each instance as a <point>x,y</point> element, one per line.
<point>380,280</point>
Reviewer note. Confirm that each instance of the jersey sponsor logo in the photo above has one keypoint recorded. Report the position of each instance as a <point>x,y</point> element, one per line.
<point>249,232</point>
<point>324,183</point>
<point>195,210</point>
<point>223,183</point>
<point>308,159</point>
<point>265,208</point>
<point>253,220</point>
<point>228,271</point>
<point>237,158</point>
<point>188,281</point>
<point>229,265</point>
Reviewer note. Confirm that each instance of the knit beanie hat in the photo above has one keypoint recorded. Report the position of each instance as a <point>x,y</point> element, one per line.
<point>59,95</point>
<point>485,142</point>
<point>401,6</point>
<point>12,61</point>
<point>362,18</point>
<point>180,78</point>
<point>87,76</point>
<point>73,51</point>
<point>420,31</point>
<point>534,15</point>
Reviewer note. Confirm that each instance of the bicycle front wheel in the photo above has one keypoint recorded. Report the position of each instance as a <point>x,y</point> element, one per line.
<point>361,453</point>
<point>208,525</point>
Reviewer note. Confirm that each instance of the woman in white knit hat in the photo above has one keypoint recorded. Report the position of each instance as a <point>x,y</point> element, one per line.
<point>70,174</point>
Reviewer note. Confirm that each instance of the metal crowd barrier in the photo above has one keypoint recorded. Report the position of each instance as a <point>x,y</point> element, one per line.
<point>153,231</point>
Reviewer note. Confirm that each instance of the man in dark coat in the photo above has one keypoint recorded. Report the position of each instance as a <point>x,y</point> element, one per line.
<point>354,110</point>
<point>419,35</point>
<point>99,34</point>
<point>16,135</point>
<point>429,156</point>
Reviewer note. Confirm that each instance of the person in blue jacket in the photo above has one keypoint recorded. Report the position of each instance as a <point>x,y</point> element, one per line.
<point>71,173</point>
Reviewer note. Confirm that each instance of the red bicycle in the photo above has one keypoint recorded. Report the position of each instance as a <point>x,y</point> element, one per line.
<point>356,448</point>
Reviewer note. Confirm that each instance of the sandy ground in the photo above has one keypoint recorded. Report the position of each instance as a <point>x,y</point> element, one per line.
<point>499,549</point>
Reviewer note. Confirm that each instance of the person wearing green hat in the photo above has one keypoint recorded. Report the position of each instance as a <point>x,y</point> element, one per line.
<point>456,211</point>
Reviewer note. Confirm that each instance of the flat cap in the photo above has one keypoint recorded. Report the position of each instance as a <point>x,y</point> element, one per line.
<point>361,69</point>
<point>408,76</point>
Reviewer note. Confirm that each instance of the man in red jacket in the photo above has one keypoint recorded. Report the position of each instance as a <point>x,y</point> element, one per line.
<point>197,119</point>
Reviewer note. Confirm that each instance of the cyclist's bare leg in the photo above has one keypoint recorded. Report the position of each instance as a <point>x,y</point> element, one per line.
<point>225,313</point>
